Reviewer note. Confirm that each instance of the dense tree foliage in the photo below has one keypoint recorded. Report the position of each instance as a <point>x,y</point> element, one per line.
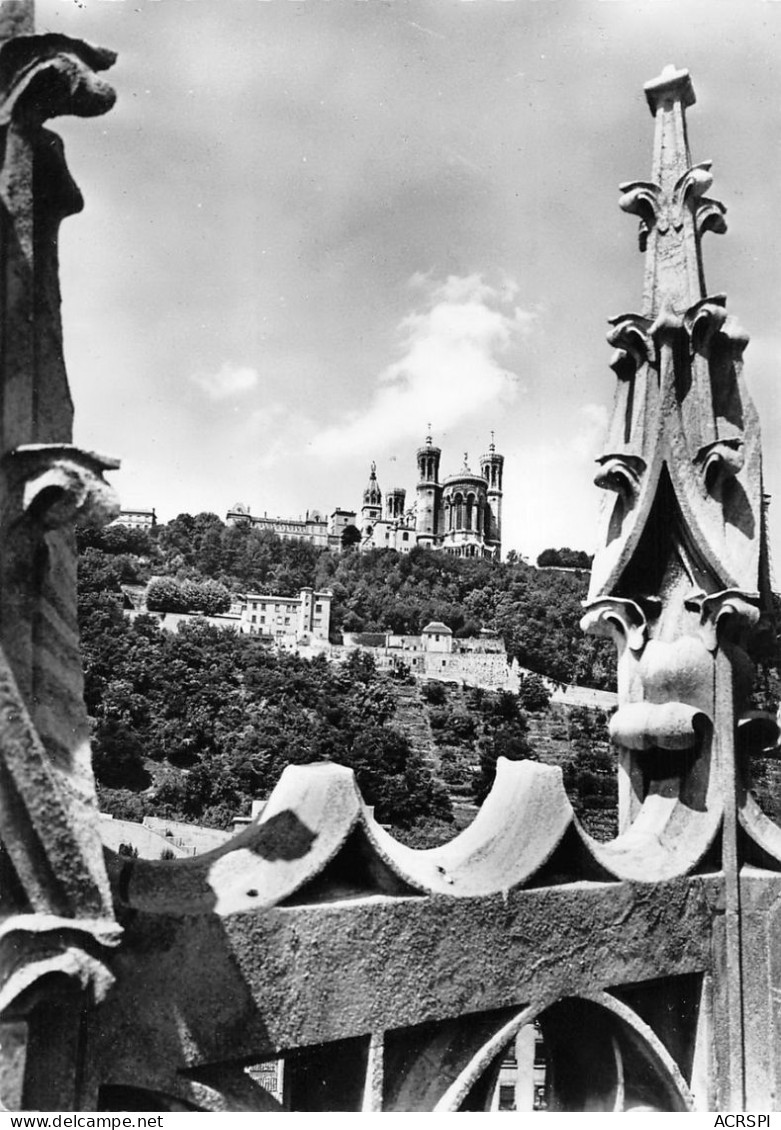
<point>537,612</point>
<point>195,725</point>
<point>351,536</point>
<point>564,558</point>
<point>473,727</point>
<point>206,720</point>
<point>164,594</point>
<point>590,776</point>
<point>533,693</point>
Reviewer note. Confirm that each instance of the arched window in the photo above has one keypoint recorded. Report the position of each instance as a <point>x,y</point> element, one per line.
<point>470,506</point>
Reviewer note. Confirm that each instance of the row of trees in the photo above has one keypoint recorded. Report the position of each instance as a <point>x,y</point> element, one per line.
<point>164,594</point>
<point>564,558</point>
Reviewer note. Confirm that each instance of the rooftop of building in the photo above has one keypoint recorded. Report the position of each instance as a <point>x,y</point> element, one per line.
<point>290,599</point>
<point>465,475</point>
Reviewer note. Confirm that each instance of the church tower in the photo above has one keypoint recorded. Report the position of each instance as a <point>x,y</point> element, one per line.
<point>429,493</point>
<point>394,504</point>
<point>371,511</point>
<point>492,468</point>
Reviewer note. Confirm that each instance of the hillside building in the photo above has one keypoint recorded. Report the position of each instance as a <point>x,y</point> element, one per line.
<point>288,619</point>
<point>324,533</point>
<point>461,514</point>
<point>312,528</point>
<point>391,526</point>
<point>137,519</point>
<point>480,661</point>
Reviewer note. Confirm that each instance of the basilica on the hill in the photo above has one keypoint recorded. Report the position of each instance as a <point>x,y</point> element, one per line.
<point>460,514</point>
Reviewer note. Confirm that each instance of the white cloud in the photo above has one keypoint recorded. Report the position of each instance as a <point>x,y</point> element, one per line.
<point>229,380</point>
<point>450,365</point>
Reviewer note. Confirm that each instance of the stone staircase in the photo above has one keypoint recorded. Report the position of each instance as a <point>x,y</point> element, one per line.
<point>412,720</point>
<point>549,735</point>
<point>552,739</point>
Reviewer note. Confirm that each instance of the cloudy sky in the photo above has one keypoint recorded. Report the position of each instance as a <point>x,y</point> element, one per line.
<point>314,226</point>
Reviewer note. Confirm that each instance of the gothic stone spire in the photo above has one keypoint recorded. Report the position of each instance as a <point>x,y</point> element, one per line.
<point>681,410</point>
<point>679,578</point>
<point>673,208</point>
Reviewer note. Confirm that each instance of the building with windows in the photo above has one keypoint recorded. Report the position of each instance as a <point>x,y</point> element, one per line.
<point>324,533</point>
<point>460,514</point>
<point>137,519</point>
<point>312,528</point>
<point>391,526</point>
<point>480,661</point>
<point>288,619</point>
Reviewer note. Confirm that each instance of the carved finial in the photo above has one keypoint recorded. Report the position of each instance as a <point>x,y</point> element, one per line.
<point>672,206</point>
<point>374,469</point>
<point>670,85</point>
<point>492,445</point>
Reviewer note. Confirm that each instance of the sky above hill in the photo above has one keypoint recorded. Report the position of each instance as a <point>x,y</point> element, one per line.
<point>312,228</point>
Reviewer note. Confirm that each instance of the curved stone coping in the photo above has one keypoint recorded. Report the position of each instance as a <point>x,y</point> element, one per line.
<point>666,840</point>
<point>516,830</point>
<point>307,821</point>
<point>667,1069</point>
<point>315,808</point>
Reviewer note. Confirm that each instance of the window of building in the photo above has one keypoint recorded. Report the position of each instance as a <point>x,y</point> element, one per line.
<point>506,1097</point>
<point>405,536</point>
<point>318,608</point>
